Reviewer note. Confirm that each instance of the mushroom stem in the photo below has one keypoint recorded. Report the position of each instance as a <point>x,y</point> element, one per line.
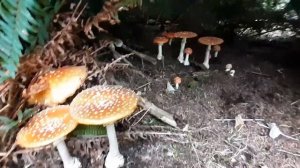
<point>170,41</point>
<point>180,57</point>
<point>114,159</point>
<point>186,61</point>
<point>207,55</point>
<point>177,86</point>
<point>216,54</point>
<point>159,55</point>
<point>68,160</point>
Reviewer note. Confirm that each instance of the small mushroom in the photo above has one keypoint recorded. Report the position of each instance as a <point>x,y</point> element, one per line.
<point>188,52</point>
<point>216,49</point>
<point>209,41</point>
<point>170,36</point>
<point>104,105</point>
<point>228,67</point>
<point>177,81</point>
<point>50,126</point>
<point>184,35</point>
<point>55,86</point>
<point>232,72</point>
<point>160,41</point>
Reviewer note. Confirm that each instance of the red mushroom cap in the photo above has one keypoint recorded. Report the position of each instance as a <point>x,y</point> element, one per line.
<point>188,51</point>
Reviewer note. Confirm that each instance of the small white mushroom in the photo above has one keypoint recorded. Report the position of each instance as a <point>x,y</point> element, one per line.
<point>232,72</point>
<point>228,67</point>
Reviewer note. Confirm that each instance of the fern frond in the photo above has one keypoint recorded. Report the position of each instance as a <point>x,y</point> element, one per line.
<point>23,25</point>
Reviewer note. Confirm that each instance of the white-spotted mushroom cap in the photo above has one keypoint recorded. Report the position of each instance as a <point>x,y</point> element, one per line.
<point>210,40</point>
<point>103,105</point>
<point>46,127</point>
<point>55,86</point>
<point>188,51</point>
<point>160,40</point>
<point>185,34</point>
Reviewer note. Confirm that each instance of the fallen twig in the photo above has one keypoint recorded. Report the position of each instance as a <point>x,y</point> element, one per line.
<point>284,151</point>
<point>242,119</point>
<point>157,112</point>
<point>295,102</point>
<point>258,73</point>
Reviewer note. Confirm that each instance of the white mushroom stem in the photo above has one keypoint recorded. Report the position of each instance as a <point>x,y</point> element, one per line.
<point>159,55</point>
<point>186,61</point>
<point>177,86</point>
<point>114,159</point>
<point>181,57</point>
<point>216,54</point>
<point>68,160</point>
<point>170,41</point>
<point>207,55</point>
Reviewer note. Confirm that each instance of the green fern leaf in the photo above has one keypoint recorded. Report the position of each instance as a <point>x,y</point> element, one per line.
<point>23,25</point>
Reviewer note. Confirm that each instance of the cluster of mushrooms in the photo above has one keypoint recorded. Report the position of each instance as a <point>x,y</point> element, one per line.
<point>98,105</point>
<point>211,42</point>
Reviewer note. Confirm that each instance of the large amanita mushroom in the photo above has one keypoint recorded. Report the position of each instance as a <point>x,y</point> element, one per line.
<point>50,126</point>
<point>209,41</point>
<point>188,52</point>
<point>104,105</point>
<point>160,41</point>
<point>55,86</point>
<point>216,49</point>
<point>184,35</point>
<point>170,36</point>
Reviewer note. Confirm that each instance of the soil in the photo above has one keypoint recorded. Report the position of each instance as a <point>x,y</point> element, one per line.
<point>265,86</point>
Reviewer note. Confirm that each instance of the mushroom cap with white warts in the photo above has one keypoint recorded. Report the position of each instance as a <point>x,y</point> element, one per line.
<point>55,86</point>
<point>103,105</point>
<point>185,34</point>
<point>46,127</point>
<point>210,40</point>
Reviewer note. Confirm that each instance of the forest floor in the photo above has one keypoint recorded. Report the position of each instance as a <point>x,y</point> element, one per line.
<point>261,89</point>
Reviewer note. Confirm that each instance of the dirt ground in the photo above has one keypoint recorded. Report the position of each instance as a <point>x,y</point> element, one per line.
<point>264,87</point>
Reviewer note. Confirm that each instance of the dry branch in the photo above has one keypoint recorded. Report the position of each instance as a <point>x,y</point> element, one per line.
<point>157,112</point>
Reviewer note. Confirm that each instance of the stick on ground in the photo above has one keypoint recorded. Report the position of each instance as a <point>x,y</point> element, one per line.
<point>157,112</point>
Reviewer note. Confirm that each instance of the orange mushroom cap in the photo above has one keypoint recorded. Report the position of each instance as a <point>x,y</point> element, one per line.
<point>210,40</point>
<point>46,127</point>
<point>160,40</point>
<point>103,105</point>
<point>185,34</point>
<point>188,51</point>
<point>56,86</point>
<point>177,80</point>
<point>169,35</point>
<point>216,48</point>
